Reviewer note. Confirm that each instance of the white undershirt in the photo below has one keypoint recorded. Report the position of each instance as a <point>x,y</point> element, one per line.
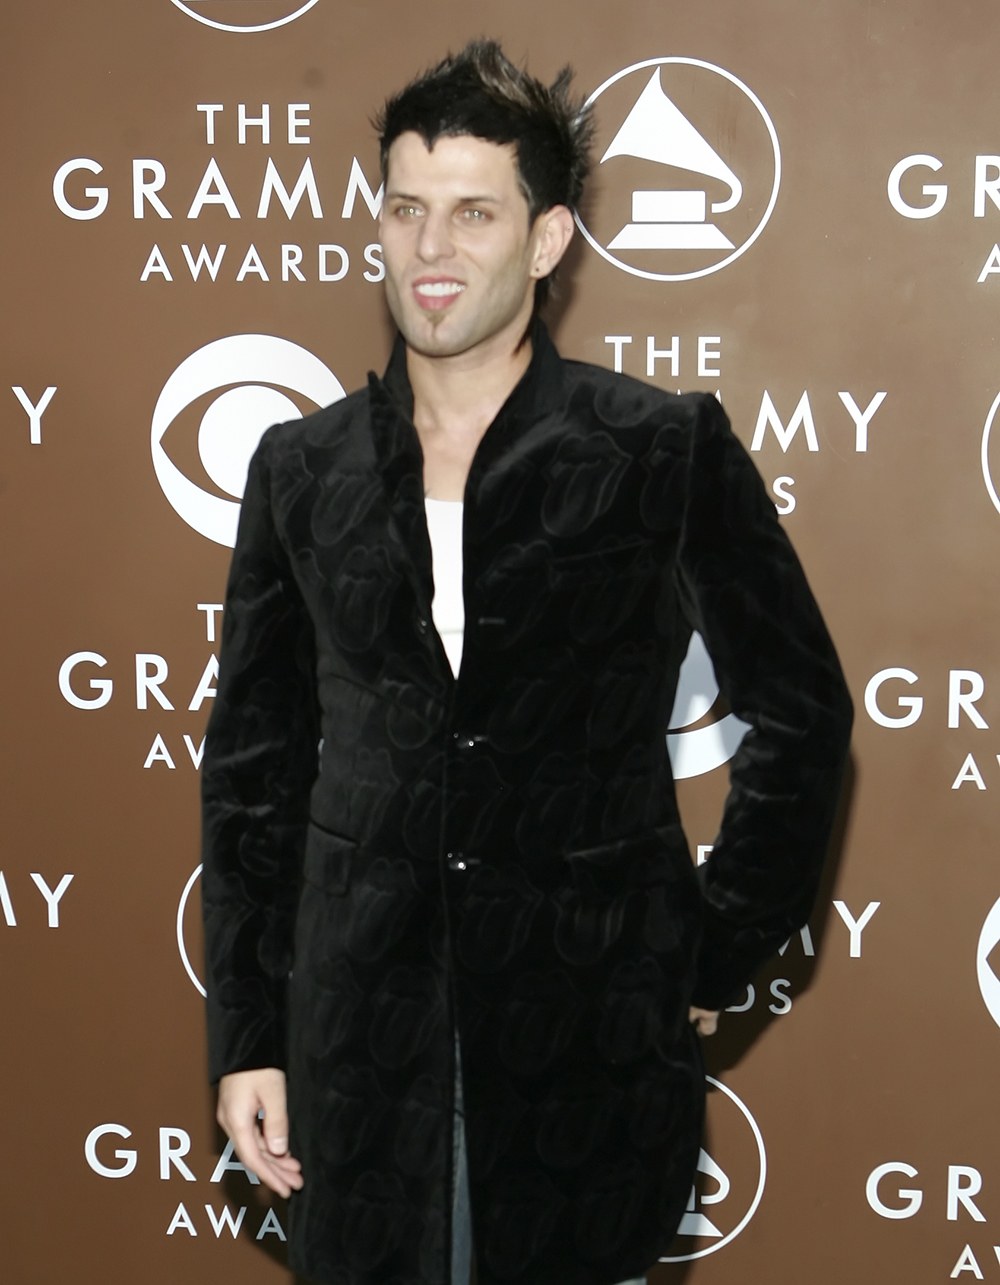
<point>444,526</point>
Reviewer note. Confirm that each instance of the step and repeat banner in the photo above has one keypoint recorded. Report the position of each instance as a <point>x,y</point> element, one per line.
<point>794,206</point>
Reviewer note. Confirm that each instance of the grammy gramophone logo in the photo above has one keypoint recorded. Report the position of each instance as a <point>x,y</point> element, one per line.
<point>729,1182</point>
<point>689,169</point>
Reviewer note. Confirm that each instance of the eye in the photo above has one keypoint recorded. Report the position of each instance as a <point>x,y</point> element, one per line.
<point>407,211</point>
<point>475,215</point>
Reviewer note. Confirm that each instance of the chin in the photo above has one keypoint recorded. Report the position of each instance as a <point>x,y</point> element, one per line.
<point>437,335</point>
<point>455,330</point>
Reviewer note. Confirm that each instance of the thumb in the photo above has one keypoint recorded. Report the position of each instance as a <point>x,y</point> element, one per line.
<point>275,1123</point>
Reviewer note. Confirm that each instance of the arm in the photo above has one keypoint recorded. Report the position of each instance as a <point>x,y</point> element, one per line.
<point>260,763</point>
<point>747,595</point>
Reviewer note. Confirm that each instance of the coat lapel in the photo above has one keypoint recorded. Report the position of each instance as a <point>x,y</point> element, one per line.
<point>538,393</point>
<point>400,462</point>
<point>400,459</point>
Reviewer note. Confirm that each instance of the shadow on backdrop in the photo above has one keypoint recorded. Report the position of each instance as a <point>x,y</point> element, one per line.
<point>738,1033</point>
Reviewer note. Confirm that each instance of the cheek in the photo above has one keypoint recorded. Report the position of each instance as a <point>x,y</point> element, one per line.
<point>503,257</point>
<point>395,253</point>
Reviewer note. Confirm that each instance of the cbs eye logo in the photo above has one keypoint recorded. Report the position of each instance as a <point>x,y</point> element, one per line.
<point>276,13</point>
<point>989,983</point>
<point>985,454</point>
<point>251,369</point>
<point>184,908</point>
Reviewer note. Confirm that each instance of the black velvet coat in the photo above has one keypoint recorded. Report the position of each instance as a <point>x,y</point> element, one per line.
<point>502,853</point>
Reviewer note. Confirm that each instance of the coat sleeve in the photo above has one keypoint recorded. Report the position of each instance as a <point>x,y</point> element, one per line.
<point>746,593</point>
<point>259,765</point>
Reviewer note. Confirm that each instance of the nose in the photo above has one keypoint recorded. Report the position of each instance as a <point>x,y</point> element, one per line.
<point>435,237</point>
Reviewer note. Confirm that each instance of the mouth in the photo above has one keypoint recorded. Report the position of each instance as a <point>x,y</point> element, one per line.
<point>436,294</point>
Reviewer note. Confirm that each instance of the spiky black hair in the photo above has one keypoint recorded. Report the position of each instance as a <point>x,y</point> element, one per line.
<point>480,92</point>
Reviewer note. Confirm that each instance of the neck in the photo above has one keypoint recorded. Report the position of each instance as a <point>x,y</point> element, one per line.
<point>460,396</point>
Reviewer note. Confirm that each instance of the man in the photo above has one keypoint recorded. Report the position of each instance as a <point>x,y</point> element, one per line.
<point>482,890</point>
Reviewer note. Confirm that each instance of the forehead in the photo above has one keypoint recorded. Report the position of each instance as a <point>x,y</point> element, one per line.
<point>459,164</point>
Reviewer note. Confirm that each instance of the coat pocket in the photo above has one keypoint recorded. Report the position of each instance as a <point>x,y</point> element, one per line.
<point>613,868</point>
<point>609,887</point>
<point>658,859</point>
<point>328,860</point>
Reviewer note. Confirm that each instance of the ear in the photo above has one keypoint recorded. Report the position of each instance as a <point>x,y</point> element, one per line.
<point>551,234</point>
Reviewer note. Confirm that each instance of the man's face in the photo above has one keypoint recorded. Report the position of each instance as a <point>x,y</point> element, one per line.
<point>457,242</point>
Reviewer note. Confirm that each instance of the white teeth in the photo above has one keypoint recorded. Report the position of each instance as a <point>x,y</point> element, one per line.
<point>438,289</point>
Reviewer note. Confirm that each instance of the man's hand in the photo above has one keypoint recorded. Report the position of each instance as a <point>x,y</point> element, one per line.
<point>704,1019</point>
<point>264,1151</point>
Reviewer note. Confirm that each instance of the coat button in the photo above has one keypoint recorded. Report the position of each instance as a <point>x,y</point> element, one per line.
<point>421,626</point>
<point>456,861</point>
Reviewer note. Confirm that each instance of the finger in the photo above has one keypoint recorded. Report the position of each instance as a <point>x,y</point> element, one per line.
<point>270,1171</point>
<point>285,1169</point>
<point>278,1182</point>
<point>275,1124</point>
<point>283,1164</point>
<point>246,1145</point>
<point>289,1174</point>
<point>271,1178</point>
<point>704,1020</point>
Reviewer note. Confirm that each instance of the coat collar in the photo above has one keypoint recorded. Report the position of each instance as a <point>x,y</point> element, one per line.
<point>537,394</point>
<point>400,458</point>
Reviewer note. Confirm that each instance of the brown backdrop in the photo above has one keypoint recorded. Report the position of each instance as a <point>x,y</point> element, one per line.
<point>891,1053</point>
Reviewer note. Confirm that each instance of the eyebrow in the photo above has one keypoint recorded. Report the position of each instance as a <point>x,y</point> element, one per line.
<point>462,200</point>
